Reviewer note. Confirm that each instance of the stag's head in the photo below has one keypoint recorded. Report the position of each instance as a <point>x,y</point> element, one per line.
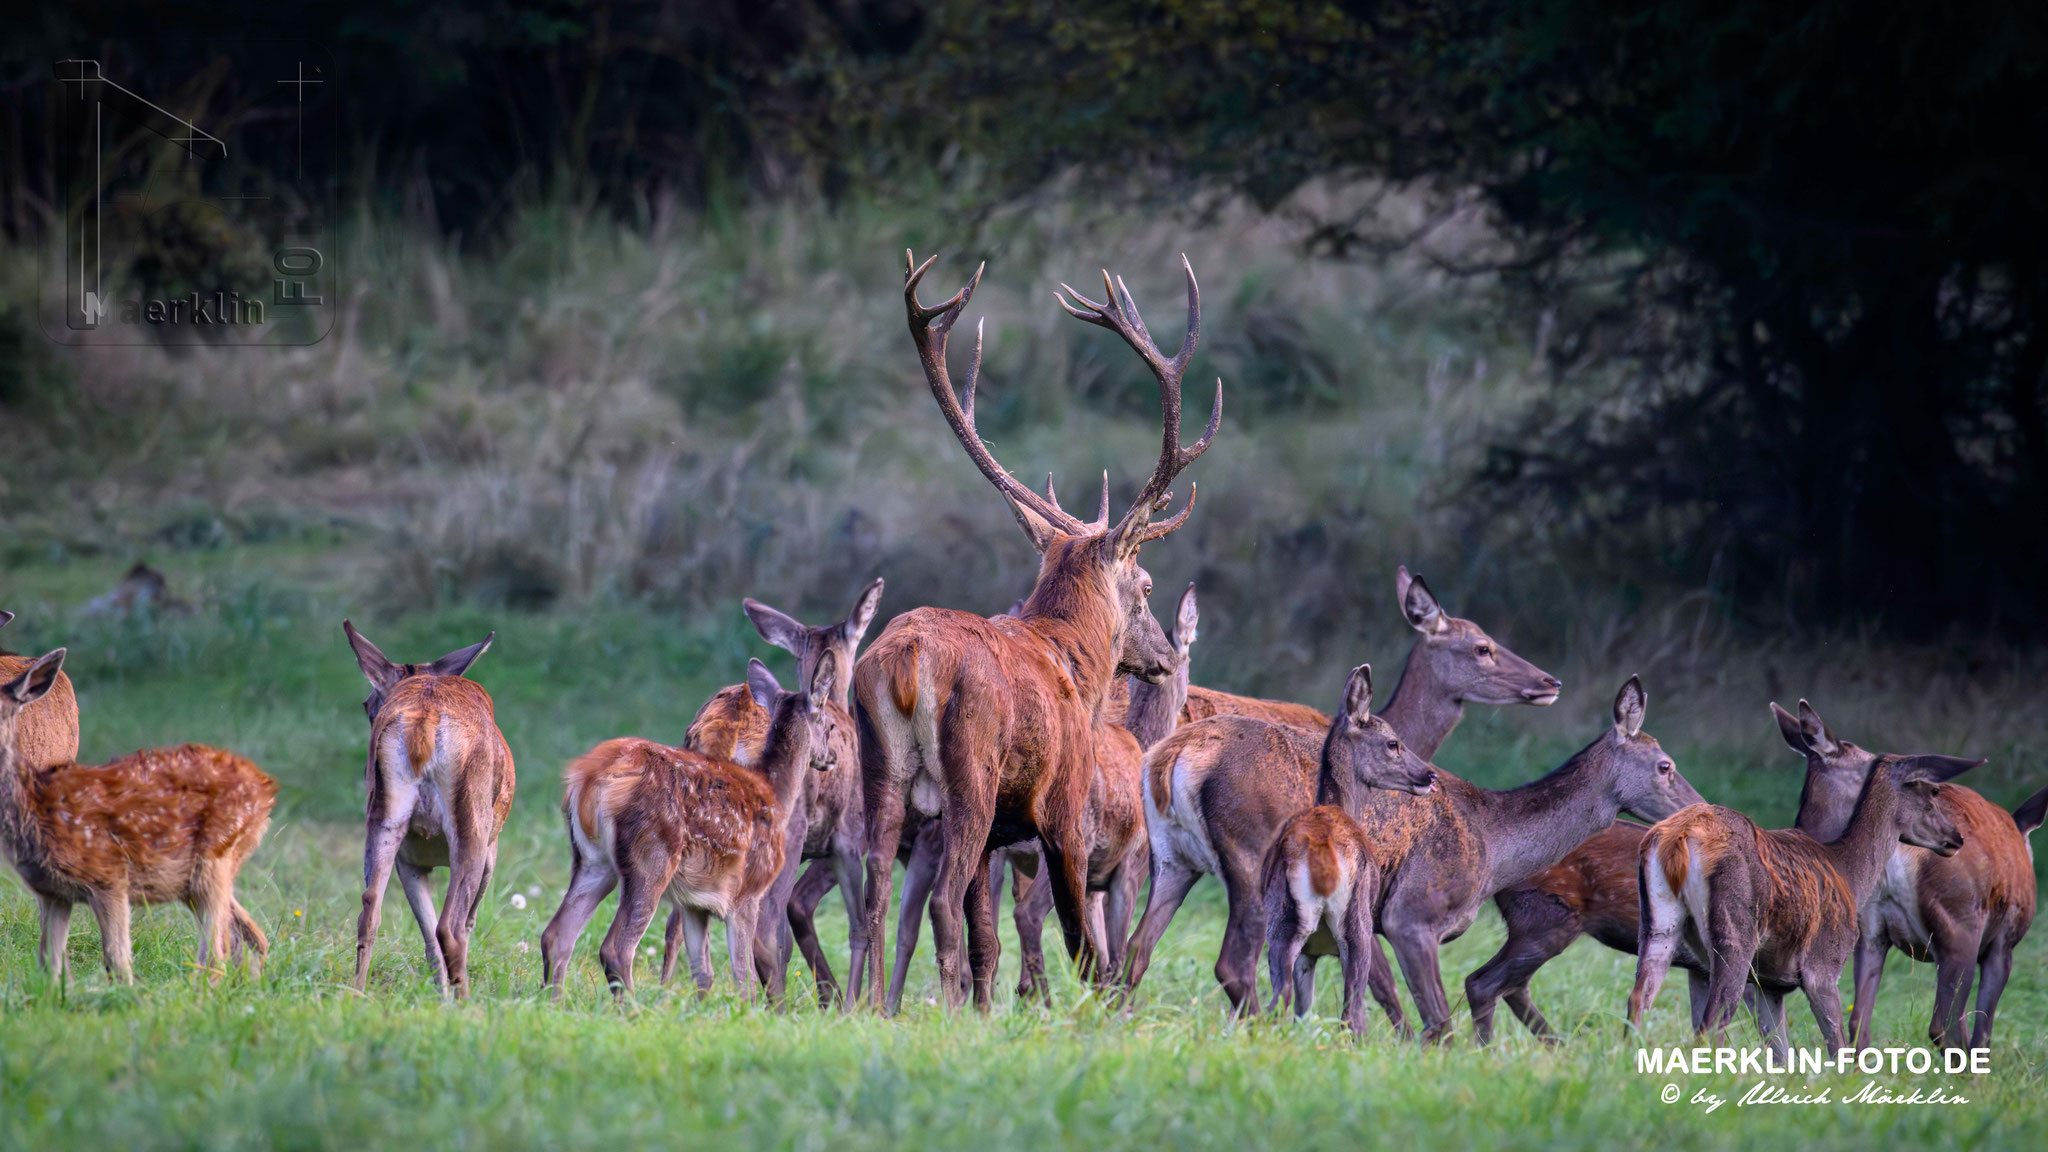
<point>810,645</point>
<point>1081,561</point>
<point>1459,655</point>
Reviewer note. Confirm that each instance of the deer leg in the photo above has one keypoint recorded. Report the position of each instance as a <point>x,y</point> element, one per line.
<point>1065,873</point>
<point>468,865</point>
<point>882,824</point>
<point>1304,977</point>
<point>696,926</point>
<point>380,849</point>
<point>1696,993</point>
<point>1954,969</point>
<point>739,946</point>
<point>770,929</point>
<point>1731,940</point>
<point>639,898</point>
<point>918,877</point>
<point>1121,901</point>
<point>1824,996</point>
<point>209,902</point>
<point>1171,880</point>
<point>1657,943</point>
<point>1380,979</point>
<point>110,908</point>
<point>1355,947</point>
<point>1997,963</point>
<point>1416,948</point>
<point>419,895</point>
<point>1770,1022</point>
<point>249,942</point>
<point>1539,928</point>
<point>1243,932</point>
<point>1286,931</point>
<point>1033,905</point>
<point>1869,973</point>
<point>589,883</point>
<point>671,944</point>
<point>810,890</point>
<point>55,915</point>
<point>984,950</point>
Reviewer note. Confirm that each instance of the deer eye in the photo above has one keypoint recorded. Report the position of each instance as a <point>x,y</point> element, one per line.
<point>1665,765</point>
<point>1393,745</point>
<point>1483,650</point>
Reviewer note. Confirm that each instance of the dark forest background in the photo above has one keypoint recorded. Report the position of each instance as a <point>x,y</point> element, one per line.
<point>1810,233</point>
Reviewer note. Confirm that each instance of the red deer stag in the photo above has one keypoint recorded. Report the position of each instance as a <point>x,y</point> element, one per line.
<point>987,724</point>
<point>1965,912</point>
<point>1778,910</point>
<point>152,827</point>
<point>440,778</point>
<point>705,835</point>
<point>827,828</point>
<point>1453,662</point>
<point>49,727</point>
<point>1320,880</point>
<point>1118,858</point>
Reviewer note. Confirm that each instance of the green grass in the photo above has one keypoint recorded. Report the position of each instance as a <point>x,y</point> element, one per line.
<point>295,1058</point>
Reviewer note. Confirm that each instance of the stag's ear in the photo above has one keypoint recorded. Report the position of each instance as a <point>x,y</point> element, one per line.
<point>380,672</point>
<point>1185,619</point>
<point>777,628</point>
<point>1931,767</point>
<point>1788,727</point>
<point>1358,693</point>
<point>1424,614</point>
<point>1037,527</point>
<point>762,685</point>
<point>856,623</point>
<point>1016,608</point>
<point>1629,705</point>
<point>457,663</point>
<point>36,680</point>
<point>6,618</point>
<point>1818,736</point>
<point>2031,811</point>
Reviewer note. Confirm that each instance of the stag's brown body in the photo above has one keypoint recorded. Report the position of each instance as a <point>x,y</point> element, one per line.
<point>152,827</point>
<point>440,786</point>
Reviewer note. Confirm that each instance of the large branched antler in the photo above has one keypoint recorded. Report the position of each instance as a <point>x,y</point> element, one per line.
<point>1120,315</point>
<point>928,328</point>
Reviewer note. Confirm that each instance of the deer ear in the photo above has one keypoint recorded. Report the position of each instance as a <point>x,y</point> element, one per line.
<point>1186,618</point>
<point>2031,811</point>
<point>1931,767</point>
<point>762,685</point>
<point>1629,705</point>
<point>36,680</point>
<point>6,618</point>
<point>1037,527</point>
<point>1818,737</point>
<point>863,614</point>
<point>1358,692</point>
<point>1788,727</point>
<point>1424,614</point>
<point>777,628</point>
<point>823,678</point>
<point>380,672</point>
<point>457,663</point>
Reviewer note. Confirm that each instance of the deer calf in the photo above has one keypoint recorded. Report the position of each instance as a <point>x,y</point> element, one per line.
<point>48,727</point>
<point>440,785</point>
<point>828,827</point>
<point>705,835</point>
<point>1778,910</point>
<point>152,827</point>
<point>1320,878</point>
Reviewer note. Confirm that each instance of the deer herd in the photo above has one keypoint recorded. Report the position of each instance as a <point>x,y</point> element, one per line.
<point>1064,740</point>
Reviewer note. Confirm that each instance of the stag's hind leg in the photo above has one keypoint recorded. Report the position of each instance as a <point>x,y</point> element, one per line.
<point>918,877</point>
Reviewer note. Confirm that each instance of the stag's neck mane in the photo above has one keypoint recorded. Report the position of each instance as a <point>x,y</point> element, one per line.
<point>1074,606</point>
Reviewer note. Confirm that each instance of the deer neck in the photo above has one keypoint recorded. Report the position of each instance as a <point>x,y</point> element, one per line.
<point>19,836</point>
<point>1530,828</point>
<point>1154,709</point>
<point>1825,808</point>
<point>1074,606</point>
<point>1423,710</point>
<point>785,757</point>
<point>1862,850</point>
<point>1337,785</point>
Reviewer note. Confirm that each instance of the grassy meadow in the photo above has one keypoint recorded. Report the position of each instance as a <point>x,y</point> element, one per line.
<point>597,436</point>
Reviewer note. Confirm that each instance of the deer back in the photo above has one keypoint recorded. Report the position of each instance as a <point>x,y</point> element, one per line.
<point>1206,702</point>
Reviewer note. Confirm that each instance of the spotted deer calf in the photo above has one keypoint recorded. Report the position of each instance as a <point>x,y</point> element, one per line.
<point>162,825</point>
<point>1320,879</point>
<point>440,785</point>
<point>705,835</point>
<point>1778,910</point>
<point>48,727</point>
<point>827,829</point>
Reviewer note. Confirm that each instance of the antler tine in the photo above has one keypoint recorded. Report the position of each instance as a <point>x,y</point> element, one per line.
<point>928,329</point>
<point>1155,531</point>
<point>1101,520</point>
